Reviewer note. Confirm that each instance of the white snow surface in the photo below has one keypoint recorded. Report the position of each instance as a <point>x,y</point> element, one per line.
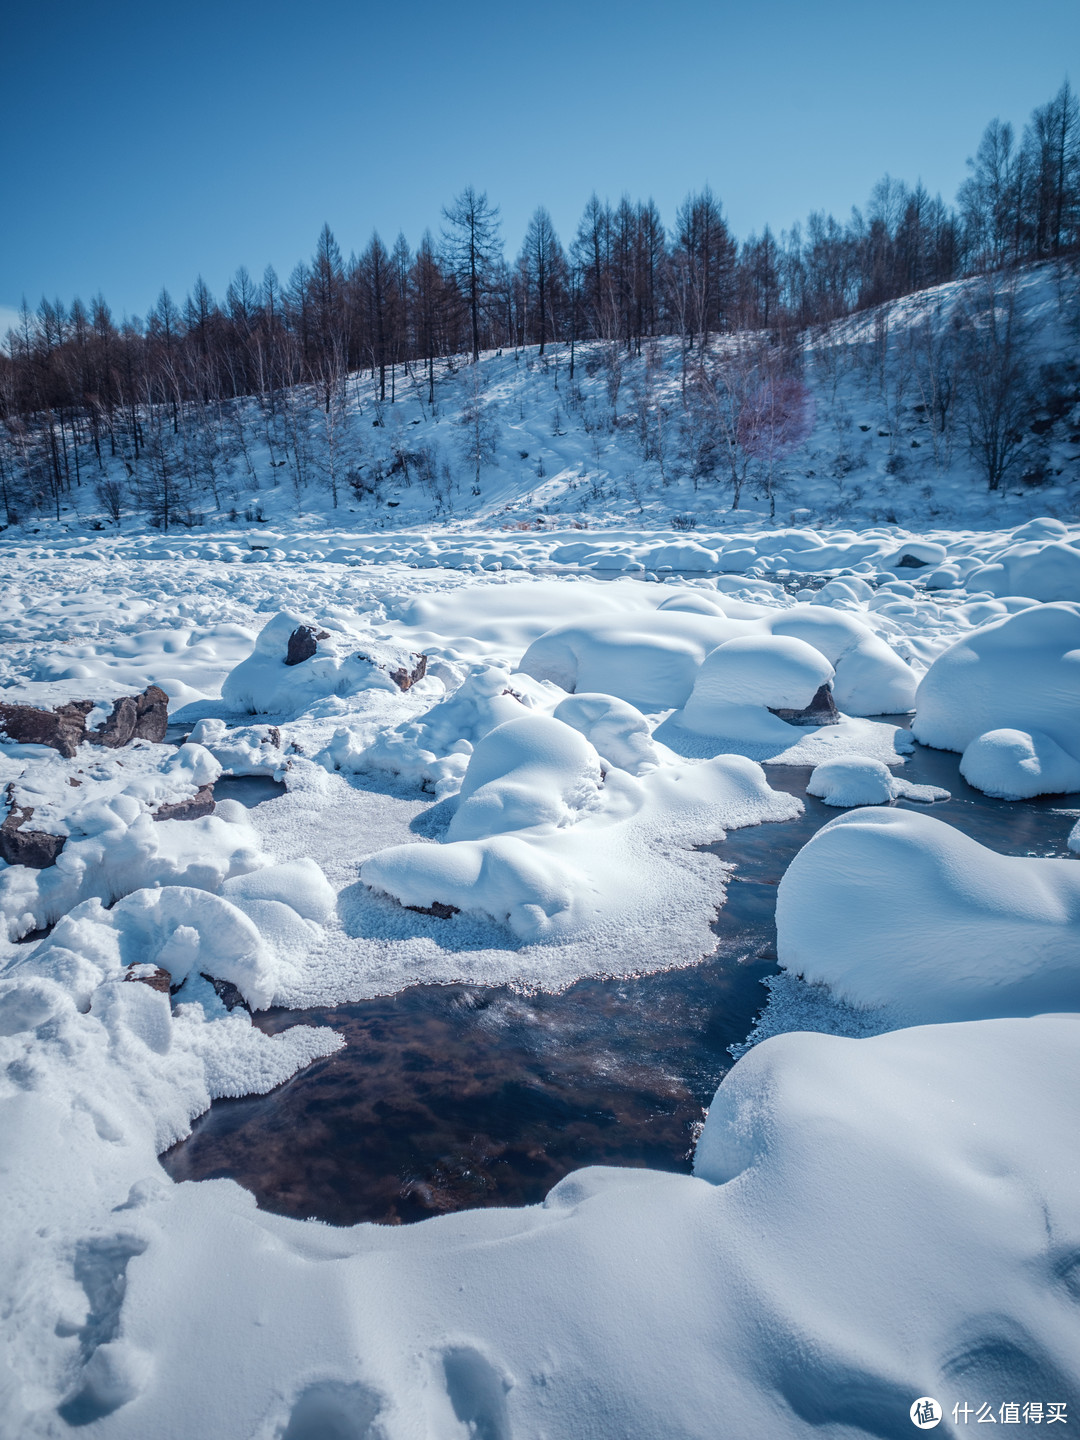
<point>896,909</point>
<point>1008,697</point>
<point>862,781</point>
<point>870,1219</point>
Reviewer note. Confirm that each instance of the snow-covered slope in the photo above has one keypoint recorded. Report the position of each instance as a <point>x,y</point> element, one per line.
<point>616,443</point>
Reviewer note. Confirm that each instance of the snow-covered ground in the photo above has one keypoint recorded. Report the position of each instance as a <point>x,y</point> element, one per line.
<point>871,1220</point>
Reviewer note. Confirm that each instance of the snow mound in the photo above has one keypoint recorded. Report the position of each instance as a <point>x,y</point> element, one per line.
<point>587,858</point>
<point>433,749</point>
<point>871,678</point>
<point>895,909</point>
<point>283,678</point>
<point>531,771</point>
<point>777,671</point>
<point>619,732</point>
<point>1021,672</point>
<point>755,673</point>
<point>1042,571</point>
<point>653,659</point>
<point>1017,765</point>
<point>253,935</point>
<point>650,660</point>
<point>243,749</point>
<point>858,780</point>
<point>127,852</point>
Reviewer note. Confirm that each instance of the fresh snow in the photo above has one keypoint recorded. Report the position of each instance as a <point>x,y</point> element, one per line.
<point>870,1219</point>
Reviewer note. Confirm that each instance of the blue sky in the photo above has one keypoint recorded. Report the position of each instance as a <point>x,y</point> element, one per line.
<point>144,144</point>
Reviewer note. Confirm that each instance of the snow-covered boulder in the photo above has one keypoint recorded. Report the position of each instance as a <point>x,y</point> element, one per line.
<point>529,771</point>
<point>1042,570</point>
<point>618,731</point>
<point>650,660</point>
<point>895,909</point>
<point>1019,673</point>
<point>242,749</point>
<point>767,672</point>
<point>294,664</point>
<point>858,780</point>
<point>870,678</point>
<point>1018,764</point>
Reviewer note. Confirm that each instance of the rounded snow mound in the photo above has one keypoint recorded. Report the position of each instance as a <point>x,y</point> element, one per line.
<point>858,780</point>
<point>618,731</point>
<point>895,909</point>
<point>526,772</point>
<point>1018,764</point>
<point>779,672</point>
<point>1020,673</point>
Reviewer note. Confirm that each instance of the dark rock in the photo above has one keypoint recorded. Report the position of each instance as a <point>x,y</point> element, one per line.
<point>61,729</point>
<point>911,562</point>
<point>119,728</point>
<point>303,643</point>
<point>200,804</point>
<point>33,848</point>
<point>152,708</point>
<point>821,711</point>
<point>438,908</point>
<point>404,679</point>
<point>227,993</point>
<point>160,980</point>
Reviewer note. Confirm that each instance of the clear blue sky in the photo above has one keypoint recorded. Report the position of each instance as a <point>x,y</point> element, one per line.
<point>144,144</point>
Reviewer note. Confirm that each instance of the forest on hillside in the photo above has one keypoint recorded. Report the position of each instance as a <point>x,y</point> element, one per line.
<point>145,412</point>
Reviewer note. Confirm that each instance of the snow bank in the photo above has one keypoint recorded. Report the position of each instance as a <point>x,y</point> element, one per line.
<point>859,780</point>
<point>624,1305</point>
<point>894,909</point>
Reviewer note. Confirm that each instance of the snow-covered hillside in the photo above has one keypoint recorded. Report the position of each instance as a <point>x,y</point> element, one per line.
<point>883,435</point>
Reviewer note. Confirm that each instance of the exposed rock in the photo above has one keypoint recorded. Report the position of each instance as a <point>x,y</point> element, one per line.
<point>227,993</point>
<point>303,643</point>
<point>33,848</point>
<point>404,678</point>
<point>821,711</point>
<point>200,804</point>
<point>61,729</point>
<point>438,908</point>
<point>134,717</point>
<point>153,714</point>
<point>911,562</point>
<point>158,979</point>
<point>119,728</point>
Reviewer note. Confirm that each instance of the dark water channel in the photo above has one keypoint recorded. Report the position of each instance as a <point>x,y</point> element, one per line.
<point>453,1096</point>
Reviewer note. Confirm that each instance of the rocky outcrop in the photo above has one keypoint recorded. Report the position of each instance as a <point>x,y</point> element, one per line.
<point>61,729</point>
<point>821,711</point>
<point>194,808</point>
<point>134,717</point>
<point>157,978</point>
<point>34,848</point>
